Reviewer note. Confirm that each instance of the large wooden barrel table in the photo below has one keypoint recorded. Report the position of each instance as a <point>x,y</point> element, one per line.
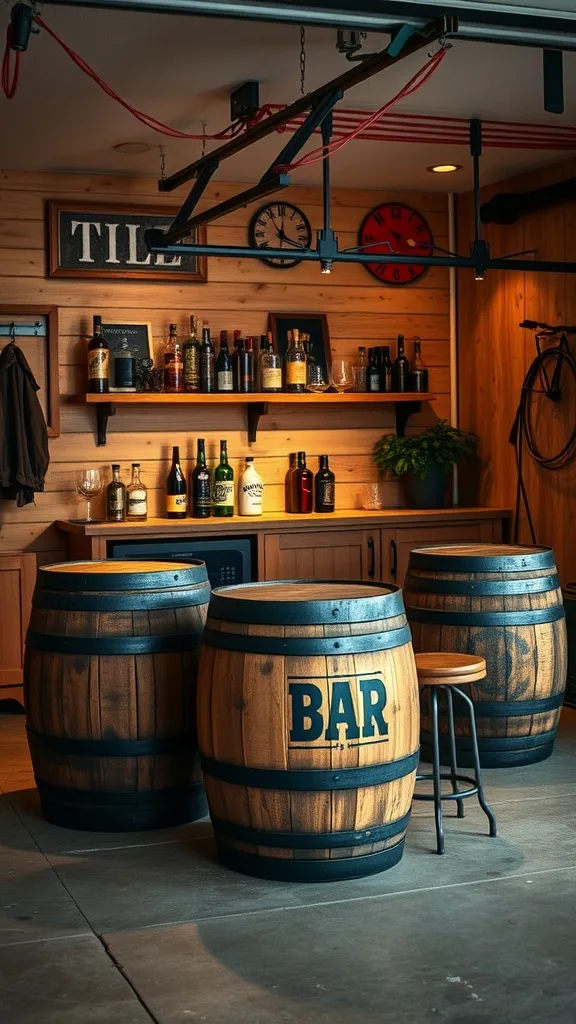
<point>308,727</point>
<point>110,691</point>
<point>504,603</point>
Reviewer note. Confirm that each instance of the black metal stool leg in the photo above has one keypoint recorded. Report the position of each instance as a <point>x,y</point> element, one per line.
<point>453,764</point>
<point>476,756</point>
<point>436,772</point>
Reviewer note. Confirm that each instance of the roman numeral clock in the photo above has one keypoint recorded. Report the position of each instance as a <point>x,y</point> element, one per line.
<point>396,228</point>
<point>280,226</point>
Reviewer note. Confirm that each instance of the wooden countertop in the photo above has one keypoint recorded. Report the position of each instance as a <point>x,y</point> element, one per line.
<point>274,521</point>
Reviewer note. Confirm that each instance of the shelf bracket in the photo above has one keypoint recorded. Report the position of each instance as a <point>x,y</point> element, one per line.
<point>103,413</point>
<point>254,410</point>
<point>404,410</point>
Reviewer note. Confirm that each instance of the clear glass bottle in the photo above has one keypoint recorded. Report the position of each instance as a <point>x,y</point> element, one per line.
<point>98,360</point>
<point>250,490</point>
<point>173,366</point>
<point>418,371</point>
<point>200,484</point>
<point>116,497</point>
<point>324,487</point>
<point>224,381</point>
<point>295,364</point>
<point>223,497</point>
<point>361,371</point>
<point>207,363</point>
<point>136,497</point>
<point>270,369</point>
<point>191,359</point>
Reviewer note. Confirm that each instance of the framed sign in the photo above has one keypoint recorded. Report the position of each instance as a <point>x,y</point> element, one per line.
<point>315,325</point>
<point>93,240</point>
<point>139,337</point>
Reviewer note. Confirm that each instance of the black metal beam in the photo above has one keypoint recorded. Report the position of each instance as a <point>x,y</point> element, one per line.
<point>353,76</point>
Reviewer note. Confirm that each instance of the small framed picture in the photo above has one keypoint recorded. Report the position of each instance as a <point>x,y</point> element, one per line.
<point>313,326</point>
<point>139,337</point>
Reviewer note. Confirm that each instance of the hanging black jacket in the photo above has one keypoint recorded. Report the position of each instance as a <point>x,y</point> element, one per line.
<point>24,453</point>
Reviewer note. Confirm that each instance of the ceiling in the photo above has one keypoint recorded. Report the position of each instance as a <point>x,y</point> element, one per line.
<point>181,68</point>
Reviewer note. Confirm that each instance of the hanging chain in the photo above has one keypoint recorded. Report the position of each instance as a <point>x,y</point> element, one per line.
<point>162,162</point>
<point>302,59</point>
<point>204,127</point>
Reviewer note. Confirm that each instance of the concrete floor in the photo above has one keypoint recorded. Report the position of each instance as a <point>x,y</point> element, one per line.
<point>148,927</point>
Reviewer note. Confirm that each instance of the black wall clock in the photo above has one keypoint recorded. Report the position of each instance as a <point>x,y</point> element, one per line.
<point>280,226</point>
<point>395,227</point>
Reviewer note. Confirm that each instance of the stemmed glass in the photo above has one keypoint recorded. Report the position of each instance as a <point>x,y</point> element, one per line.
<point>342,375</point>
<point>89,484</point>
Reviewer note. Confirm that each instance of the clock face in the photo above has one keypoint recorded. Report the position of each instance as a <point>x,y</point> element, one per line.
<point>280,226</point>
<point>408,234</point>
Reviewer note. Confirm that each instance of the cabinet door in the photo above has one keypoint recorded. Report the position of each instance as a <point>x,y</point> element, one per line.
<point>397,544</point>
<point>322,554</point>
<point>17,579</point>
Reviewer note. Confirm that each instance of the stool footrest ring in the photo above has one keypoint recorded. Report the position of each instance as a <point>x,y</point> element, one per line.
<point>429,777</point>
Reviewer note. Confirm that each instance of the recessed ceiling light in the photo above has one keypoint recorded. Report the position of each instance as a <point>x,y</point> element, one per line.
<point>131,148</point>
<point>444,168</point>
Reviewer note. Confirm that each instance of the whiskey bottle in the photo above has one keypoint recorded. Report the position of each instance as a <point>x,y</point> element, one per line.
<point>270,369</point>
<point>176,497</point>
<point>324,487</point>
<point>191,359</point>
<point>304,485</point>
<point>250,490</point>
<point>224,380</point>
<point>173,366</point>
<point>136,497</point>
<point>207,363</point>
<point>373,376</point>
<point>418,372</point>
<point>401,369</point>
<point>200,480</point>
<point>98,360</point>
<point>116,498</point>
<point>295,364</point>
<point>223,497</point>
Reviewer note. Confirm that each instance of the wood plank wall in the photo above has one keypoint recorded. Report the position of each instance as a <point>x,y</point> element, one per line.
<point>494,355</point>
<point>239,294</point>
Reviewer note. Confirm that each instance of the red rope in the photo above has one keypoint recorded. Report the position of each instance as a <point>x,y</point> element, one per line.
<point>9,87</point>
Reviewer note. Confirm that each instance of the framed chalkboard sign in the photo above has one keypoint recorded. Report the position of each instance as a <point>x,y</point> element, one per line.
<point>107,241</point>
<point>314,326</point>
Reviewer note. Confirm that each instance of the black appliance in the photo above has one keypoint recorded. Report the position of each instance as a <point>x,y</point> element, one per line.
<point>228,560</point>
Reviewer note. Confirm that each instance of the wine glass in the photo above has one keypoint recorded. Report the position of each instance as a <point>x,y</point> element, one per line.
<point>89,484</point>
<point>342,375</point>
<point>317,379</point>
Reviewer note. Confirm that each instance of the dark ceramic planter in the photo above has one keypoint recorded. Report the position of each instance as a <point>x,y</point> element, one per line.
<point>428,492</point>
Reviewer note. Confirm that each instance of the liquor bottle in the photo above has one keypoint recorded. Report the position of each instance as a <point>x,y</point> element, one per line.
<point>361,371</point>
<point>290,484</point>
<point>238,344</point>
<point>191,359</point>
<point>386,370</point>
<point>207,363</point>
<point>116,498</point>
<point>295,364</point>
<point>246,367</point>
<point>324,487</point>
<point>224,380</point>
<point>223,496</point>
<point>418,372</point>
<point>270,369</point>
<point>98,360</point>
<point>401,369</point>
<point>304,485</point>
<point>200,480</point>
<point>373,376</point>
<point>250,490</point>
<point>173,366</point>
<point>136,496</point>
<point>176,496</point>
<point>307,345</point>
<point>258,363</point>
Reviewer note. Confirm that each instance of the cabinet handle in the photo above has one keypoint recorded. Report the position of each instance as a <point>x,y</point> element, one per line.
<point>393,559</point>
<point>372,565</point>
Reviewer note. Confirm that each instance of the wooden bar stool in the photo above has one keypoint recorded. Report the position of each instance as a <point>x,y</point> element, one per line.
<point>448,672</point>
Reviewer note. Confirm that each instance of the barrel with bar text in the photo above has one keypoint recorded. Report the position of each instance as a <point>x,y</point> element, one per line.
<point>308,727</point>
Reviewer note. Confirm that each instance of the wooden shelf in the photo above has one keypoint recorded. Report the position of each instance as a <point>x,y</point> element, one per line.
<point>405,404</point>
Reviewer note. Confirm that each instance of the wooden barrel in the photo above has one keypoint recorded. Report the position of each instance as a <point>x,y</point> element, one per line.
<point>569,594</point>
<point>110,690</point>
<point>308,727</point>
<point>504,603</point>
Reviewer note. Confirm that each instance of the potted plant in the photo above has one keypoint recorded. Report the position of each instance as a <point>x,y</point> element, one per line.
<point>425,460</point>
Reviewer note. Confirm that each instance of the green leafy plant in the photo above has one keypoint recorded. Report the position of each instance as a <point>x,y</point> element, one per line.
<point>440,445</point>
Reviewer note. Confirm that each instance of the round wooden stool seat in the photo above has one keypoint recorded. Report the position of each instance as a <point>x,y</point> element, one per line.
<point>438,668</point>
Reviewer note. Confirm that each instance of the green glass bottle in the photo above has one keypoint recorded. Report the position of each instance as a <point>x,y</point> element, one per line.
<point>223,499</point>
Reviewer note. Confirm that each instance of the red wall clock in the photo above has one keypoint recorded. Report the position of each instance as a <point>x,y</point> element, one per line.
<point>407,232</point>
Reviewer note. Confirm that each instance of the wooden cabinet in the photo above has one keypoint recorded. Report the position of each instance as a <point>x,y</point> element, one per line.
<point>322,554</point>
<point>396,545</point>
<point>17,579</point>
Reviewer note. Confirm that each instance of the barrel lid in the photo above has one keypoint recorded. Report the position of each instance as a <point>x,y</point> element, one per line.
<point>121,574</point>
<point>482,557</point>
<point>306,602</point>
